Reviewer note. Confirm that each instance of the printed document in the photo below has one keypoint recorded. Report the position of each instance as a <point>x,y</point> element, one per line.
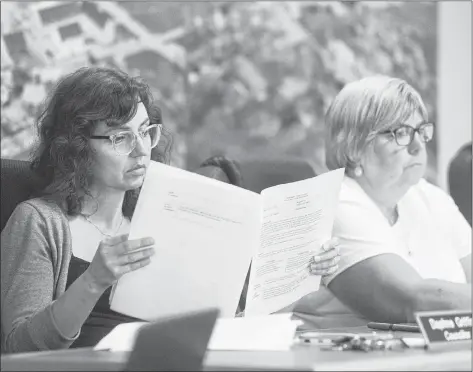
<point>207,234</point>
<point>297,219</point>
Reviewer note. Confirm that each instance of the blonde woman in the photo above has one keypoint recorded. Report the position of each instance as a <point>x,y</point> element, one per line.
<point>404,245</point>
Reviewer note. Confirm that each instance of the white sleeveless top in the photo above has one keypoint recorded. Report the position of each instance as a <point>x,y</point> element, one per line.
<point>431,234</point>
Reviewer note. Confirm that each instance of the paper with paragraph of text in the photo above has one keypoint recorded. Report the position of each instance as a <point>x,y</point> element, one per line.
<point>205,234</point>
<point>297,219</point>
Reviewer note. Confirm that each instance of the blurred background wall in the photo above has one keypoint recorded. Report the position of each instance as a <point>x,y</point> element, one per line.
<point>240,78</point>
<point>454,82</point>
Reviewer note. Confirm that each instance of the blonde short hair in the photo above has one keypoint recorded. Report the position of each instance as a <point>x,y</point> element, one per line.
<point>362,108</point>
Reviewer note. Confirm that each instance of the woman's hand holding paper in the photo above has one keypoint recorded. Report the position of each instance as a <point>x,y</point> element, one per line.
<point>117,256</point>
<point>326,262</point>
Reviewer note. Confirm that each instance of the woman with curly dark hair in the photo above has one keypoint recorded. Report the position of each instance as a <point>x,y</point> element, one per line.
<point>62,250</point>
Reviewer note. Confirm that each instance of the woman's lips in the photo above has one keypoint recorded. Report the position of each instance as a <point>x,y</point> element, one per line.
<point>139,170</point>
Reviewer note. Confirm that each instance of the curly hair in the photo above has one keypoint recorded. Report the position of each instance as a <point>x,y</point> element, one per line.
<point>78,102</point>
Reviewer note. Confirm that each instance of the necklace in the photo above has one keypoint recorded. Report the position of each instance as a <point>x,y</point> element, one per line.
<point>101,232</point>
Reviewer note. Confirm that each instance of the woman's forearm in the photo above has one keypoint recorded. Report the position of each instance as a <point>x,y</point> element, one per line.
<point>72,308</point>
<point>434,294</point>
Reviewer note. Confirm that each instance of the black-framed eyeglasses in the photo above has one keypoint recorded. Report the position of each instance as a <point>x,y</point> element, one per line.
<point>404,134</point>
<point>125,142</point>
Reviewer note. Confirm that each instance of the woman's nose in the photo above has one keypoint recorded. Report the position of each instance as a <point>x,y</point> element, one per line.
<point>141,149</point>
<point>416,145</point>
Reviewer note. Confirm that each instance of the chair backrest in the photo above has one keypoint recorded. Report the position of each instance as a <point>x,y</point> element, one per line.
<point>18,182</point>
<point>263,173</point>
<point>459,179</point>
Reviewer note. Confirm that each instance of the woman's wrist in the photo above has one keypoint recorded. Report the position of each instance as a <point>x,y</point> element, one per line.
<point>91,283</point>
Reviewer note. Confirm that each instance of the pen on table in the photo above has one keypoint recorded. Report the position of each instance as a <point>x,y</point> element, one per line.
<point>394,327</point>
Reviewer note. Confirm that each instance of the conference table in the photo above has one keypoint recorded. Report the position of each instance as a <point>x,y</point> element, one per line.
<point>300,357</point>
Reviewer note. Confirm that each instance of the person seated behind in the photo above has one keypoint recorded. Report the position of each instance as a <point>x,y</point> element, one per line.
<point>63,250</point>
<point>226,170</point>
<point>221,168</point>
<point>404,245</point>
<point>459,180</point>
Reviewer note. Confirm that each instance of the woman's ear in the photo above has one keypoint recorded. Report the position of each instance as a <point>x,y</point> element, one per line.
<point>354,167</point>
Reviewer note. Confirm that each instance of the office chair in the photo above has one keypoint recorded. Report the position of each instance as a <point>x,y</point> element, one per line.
<point>18,183</point>
<point>259,174</point>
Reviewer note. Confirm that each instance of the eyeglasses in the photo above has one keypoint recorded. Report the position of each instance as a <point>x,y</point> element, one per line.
<point>404,134</point>
<point>125,142</point>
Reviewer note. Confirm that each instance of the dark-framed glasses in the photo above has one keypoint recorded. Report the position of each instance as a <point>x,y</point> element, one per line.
<point>125,142</point>
<point>404,134</point>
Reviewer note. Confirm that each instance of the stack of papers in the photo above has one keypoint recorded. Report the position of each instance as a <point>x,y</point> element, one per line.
<point>272,332</point>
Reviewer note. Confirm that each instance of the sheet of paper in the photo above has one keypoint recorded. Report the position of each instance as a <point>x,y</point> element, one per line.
<point>206,233</point>
<point>297,219</point>
<point>120,338</point>
<point>273,332</point>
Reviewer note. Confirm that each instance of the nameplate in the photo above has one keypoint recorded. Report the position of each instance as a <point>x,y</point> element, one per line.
<point>445,327</point>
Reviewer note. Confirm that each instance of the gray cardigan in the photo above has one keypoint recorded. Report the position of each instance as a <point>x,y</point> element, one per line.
<point>35,255</point>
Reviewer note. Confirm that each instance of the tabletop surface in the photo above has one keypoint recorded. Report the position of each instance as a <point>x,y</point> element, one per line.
<point>300,357</point>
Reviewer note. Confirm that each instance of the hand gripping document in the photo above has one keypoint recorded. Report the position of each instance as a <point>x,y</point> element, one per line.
<point>208,232</point>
